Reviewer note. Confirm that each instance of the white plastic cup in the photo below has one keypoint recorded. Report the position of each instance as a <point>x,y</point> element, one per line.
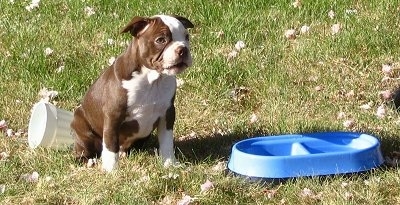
<point>49,126</point>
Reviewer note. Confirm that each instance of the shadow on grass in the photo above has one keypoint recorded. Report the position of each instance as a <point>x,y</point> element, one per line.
<point>218,147</point>
<point>200,148</point>
<point>214,147</point>
<point>389,143</point>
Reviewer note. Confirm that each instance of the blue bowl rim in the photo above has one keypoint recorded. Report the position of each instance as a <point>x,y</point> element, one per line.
<point>375,146</point>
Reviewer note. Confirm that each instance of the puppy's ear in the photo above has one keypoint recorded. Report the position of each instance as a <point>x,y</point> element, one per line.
<point>186,23</point>
<point>136,25</point>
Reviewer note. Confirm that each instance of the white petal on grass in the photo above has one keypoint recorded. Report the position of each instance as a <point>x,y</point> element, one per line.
<point>110,41</point>
<point>341,115</point>
<point>348,195</point>
<point>111,60</point>
<point>170,176</point>
<point>124,43</point>
<point>173,175</point>
<point>19,133</point>
<point>318,88</point>
<point>206,186</point>
<point>34,177</point>
<point>48,51</point>
<point>240,45</point>
<point>9,133</point>
<point>386,94</point>
<point>336,28</point>
<point>387,69</point>
<point>381,112</point>
<point>115,15</point>
<point>290,34</point>
<point>232,54</point>
<point>220,166</point>
<point>253,118</point>
<point>3,125</point>
<point>344,184</point>
<point>351,11</point>
<point>60,69</point>
<point>192,135</point>
<point>48,178</point>
<point>2,188</point>
<point>186,199</point>
<point>271,193</point>
<point>306,192</point>
<point>304,29</point>
<point>30,177</point>
<point>331,14</point>
<point>219,34</point>
<point>367,182</point>
<point>179,82</point>
<point>366,106</point>
<point>4,156</point>
<point>350,94</point>
<point>89,11</point>
<point>296,4</point>
<point>34,4</point>
<point>47,95</point>
<point>349,123</point>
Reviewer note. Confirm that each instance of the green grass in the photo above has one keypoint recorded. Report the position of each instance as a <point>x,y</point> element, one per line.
<point>280,75</point>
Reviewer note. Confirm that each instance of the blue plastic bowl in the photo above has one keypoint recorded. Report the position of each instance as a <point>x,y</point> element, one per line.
<point>313,154</point>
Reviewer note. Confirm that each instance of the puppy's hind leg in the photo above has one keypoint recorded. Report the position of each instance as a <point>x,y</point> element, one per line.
<point>87,143</point>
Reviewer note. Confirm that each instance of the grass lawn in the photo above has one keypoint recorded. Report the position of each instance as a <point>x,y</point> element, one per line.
<point>302,67</point>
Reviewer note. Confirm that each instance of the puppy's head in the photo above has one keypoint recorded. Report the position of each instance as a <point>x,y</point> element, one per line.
<point>161,42</point>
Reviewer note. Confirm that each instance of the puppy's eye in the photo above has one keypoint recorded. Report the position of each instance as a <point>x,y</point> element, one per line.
<point>161,40</point>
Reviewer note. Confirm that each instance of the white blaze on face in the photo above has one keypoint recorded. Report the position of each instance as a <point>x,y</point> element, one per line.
<point>179,34</point>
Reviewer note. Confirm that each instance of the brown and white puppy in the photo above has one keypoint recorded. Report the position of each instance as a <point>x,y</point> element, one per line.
<point>136,94</point>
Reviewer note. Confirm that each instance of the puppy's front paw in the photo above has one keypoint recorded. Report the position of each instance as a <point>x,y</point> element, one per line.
<point>109,160</point>
<point>169,161</point>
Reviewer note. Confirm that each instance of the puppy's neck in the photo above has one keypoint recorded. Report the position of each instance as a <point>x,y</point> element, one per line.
<point>129,65</point>
<point>152,75</point>
<point>132,56</point>
<point>126,64</point>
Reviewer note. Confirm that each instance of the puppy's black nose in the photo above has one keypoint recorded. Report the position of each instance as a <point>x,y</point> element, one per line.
<point>182,51</point>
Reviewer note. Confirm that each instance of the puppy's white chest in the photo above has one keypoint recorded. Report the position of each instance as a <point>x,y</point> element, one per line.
<point>149,97</point>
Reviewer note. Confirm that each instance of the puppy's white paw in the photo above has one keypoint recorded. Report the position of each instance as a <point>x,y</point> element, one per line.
<point>169,162</point>
<point>109,160</point>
